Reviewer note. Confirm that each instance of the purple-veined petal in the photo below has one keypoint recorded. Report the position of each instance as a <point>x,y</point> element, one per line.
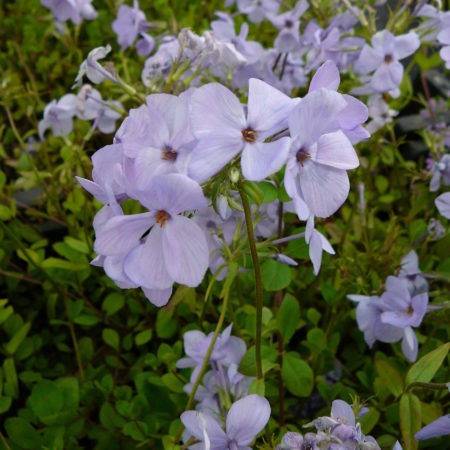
<point>146,266</point>
<point>368,61</point>
<point>327,76</point>
<point>323,188</point>
<point>198,423</point>
<point>261,159</point>
<point>316,114</point>
<point>335,150</point>
<point>387,77</point>
<point>439,427</point>
<point>409,344</point>
<point>216,111</point>
<point>419,304</point>
<point>186,251</point>
<point>268,108</point>
<point>122,233</point>
<point>212,154</point>
<point>246,418</point>
<point>343,412</point>
<point>94,189</point>
<point>406,45</point>
<point>159,297</point>
<point>355,113</point>
<point>173,193</point>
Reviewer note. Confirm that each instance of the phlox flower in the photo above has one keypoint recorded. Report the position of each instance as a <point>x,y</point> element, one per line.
<point>159,64</point>
<point>157,139</point>
<point>257,10</point>
<point>58,115</point>
<point>162,246</point>
<point>75,10</point>
<point>439,427</point>
<point>95,72</point>
<point>383,58</point>
<point>320,155</point>
<point>379,113</point>
<point>440,173</point>
<point>128,24</point>
<point>227,350</point>
<point>444,39</point>
<point>245,419</point>
<point>224,128</point>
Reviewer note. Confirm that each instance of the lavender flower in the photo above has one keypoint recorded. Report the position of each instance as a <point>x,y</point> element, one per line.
<point>444,38</point>
<point>58,115</point>
<point>383,57</point>
<point>440,172</point>
<point>320,155</point>
<point>223,129</point>
<point>175,248</point>
<point>93,69</point>
<point>128,24</point>
<point>257,10</point>
<point>75,10</point>
<point>317,243</point>
<point>245,419</point>
<point>379,112</point>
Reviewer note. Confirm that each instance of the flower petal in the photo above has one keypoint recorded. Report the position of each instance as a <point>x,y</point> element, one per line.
<point>246,418</point>
<point>323,188</point>
<point>216,111</point>
<point>443,204</point>
<point>335,150</point>
<point>121,233</point>
<point>185,251</point>
<point>198,423</point>
<point>406,45</point>
<point>261,159</point>
<point>146,266</point>
<point>159,297</point>
<point>439,427</point>
<point>409,344</point>
<point>327,76</point>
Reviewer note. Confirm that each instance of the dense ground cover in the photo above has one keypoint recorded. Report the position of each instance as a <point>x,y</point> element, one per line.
<point>115,325</point>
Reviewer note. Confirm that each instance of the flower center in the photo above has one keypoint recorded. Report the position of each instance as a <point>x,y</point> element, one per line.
<point>249,135</point>
<point>302,155</point>
<point>161,217</point>
<point>388,59</point>
<point>410,311</point>
<point>288,23</point>
<point>169,154</point>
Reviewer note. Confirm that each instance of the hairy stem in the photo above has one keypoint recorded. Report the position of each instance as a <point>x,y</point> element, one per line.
<point>258,282</point>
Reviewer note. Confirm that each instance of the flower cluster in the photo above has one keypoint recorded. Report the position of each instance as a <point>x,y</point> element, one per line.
<point>339,431</point>
<point>75,10</point>
<point>402,307</point>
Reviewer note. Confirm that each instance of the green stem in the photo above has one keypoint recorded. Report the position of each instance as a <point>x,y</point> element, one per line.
<point>206,360</point>
<point>420,384</point>
<point>258,282</point>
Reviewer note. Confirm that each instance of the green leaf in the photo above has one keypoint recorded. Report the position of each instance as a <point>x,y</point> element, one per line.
<point>17,339</point>
<point>77,245</point>
<point>111,338</point>
<point>257,387</point>
<point>369,420</point>
<point>427,366</point>
<point>143,337</point>
<point>86,319</point>
<point>57,263</point>
<point>166,327</point>
<point>288,317</point>
<point>248,363</point>
<point>46,401</point>
<point>5,403</point>
<point>12,385</point>
<point>390,377</point>
<point>297,375</point>
<point>22,433</point>
<point>173,383</point>
<point>275,276</point>
<point>270,192</point>
<point>113,303</point>
<point>410,419</point>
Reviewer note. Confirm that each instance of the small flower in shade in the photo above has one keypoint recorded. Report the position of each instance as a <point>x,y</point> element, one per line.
<point>320,155</point>
<point>224,128</point>
<point>161,246</point>
<point>379,113</point>
<point>411,271</point>
<point>317,243</point>
<point>289,25</point>
<point>245,419</point>
<point>291,441</point>
<point>440,173</point>
<point>128,24</point>
<point>397,446</point>
<point>93,69</point>
<point>163,143</point>
<point>75,10</point>
<point>145,45</point>
<point>58,115</point>
<point>383,57</point>
<point>444,38</point>
<point>443,204</point>
<point>258,10</point>
<point>439,427</point>
<point>227,349</point>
